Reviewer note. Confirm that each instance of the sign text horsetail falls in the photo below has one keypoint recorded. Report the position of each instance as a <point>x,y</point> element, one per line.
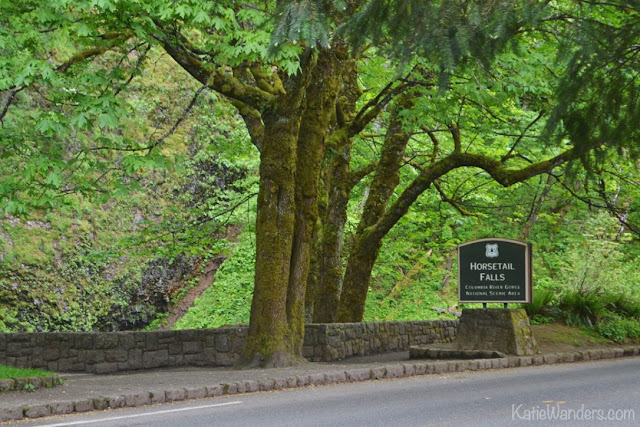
<point>494,270</point>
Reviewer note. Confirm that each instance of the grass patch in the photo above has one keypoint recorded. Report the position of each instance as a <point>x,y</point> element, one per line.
<point>553,337</point>
<point>9,372</point>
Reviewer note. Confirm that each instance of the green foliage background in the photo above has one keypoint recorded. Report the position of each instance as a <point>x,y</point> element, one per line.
<point>139,219</point>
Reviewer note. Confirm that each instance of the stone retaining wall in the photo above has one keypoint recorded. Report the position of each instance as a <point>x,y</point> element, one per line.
<point>121,351</point>
<point>335,341</point>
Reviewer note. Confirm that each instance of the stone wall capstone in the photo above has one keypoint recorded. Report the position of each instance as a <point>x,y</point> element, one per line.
<point>104,352</point>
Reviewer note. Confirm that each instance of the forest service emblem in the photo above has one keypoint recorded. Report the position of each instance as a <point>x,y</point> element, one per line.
<point>492,250</point>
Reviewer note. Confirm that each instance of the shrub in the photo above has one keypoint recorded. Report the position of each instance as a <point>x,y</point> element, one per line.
<point>622,304</point>
<point>581,307</point>
<point>618,329</point>
<point>542,309</point>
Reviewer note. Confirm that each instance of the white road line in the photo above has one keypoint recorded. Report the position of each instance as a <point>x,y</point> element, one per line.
<point>124,417</point>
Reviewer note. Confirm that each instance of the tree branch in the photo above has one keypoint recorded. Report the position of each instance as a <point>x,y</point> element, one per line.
<point>520,137</point>
<point>371,110</point>
<point>8,102</point>
<point>493,167</point>
<point>451,201</point>
<point>216,78</point>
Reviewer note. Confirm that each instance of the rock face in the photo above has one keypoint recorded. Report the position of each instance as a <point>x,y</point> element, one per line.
<point>504,330</point>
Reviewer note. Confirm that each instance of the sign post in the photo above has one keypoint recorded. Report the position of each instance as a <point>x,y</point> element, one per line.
<point>494,270</point>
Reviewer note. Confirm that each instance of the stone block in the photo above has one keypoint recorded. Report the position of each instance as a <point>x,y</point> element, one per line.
<point>513,361</point>
<point>50,354</point>
<point>150,341</point>
<point>116,355</point>
<point>116,402</point>
<point>166,337</point>
<point>191,347</point>
<point>137,399</point>
<point>279,383</point>
<point>226,359</point>
<point>292,382</point>
<point>452,365</point>
<point>608,353</point>
<point>175,348</point>
<point>7,384</point>
<point>229,388</point>
<point>409,369</point>
<point>439,367</point>
<point>101,403</point>
<point>105,368</point>
<point>361,374</point>
<point>378,373</point>
<point>126,340</point>
<point>566,357</point>
<point>106,340</point>
<point>37,411</point>
<point>94,356</point>
<point>472,365</point>
<point>196,393</point>
<point>214,391</point>
<point>185,334</point>
<point>85,405</point>
<point>316,379</point>
<point>595,354</point>
<point>18,349</point>
<point>134,359</point>
<point>155,359</point>
<point>175,395</point>
<point>10,414</point>
<point>526,361</point>
<point>84,341</point>
<point>252,386</point>
<point>307,352</point>
<point>394,371</point>
<point>192,359</point>
<point>157,396</point>
<point>537,360</point>
<point>335,377</point>
<point>504,330</point>
<point>61,408</point>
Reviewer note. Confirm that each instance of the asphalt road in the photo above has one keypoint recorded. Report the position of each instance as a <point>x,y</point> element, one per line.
<point>590,393</point>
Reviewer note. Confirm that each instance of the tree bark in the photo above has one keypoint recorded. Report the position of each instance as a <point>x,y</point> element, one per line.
<point>270,341</point>
<point>338,182</point>
<point>329,258</point>
<point>364,255</point>
<point>320,103</point>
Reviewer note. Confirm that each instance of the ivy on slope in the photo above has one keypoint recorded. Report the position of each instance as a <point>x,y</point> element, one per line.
<point>228,300</point>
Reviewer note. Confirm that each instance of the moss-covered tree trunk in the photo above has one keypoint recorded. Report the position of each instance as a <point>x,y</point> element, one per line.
<point>329,257</point>
<point>338,181</point>
<point>270,341</point>
<point>320,107</point>
<point>364,252</point>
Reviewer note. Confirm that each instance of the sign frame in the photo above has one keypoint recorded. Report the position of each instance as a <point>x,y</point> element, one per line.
<point>492,253</point>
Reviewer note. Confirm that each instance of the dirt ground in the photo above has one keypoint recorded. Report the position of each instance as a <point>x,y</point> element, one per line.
<point>557,337</point>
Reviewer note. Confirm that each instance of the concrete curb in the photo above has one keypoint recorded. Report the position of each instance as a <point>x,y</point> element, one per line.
<point>400,370</point>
